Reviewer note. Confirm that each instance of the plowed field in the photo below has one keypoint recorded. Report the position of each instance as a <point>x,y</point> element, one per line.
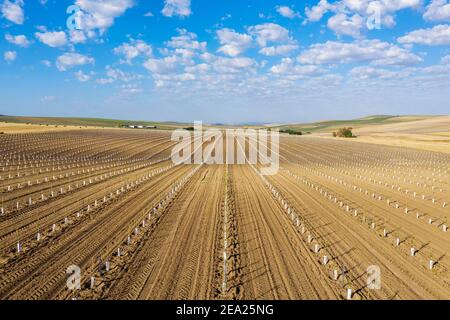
<point>105,214</point>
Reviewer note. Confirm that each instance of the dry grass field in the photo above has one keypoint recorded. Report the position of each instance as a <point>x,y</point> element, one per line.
<point>431,133</point>
<point>139,227</point>
<point>26,128</point>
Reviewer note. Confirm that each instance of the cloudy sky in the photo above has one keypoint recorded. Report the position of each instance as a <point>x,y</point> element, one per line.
<point>224,60</point>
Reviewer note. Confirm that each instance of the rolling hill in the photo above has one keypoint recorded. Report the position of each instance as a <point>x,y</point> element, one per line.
<point>89,122</point>
<point>332,125</point>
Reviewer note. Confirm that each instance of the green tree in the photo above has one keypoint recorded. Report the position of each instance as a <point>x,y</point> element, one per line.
<point>344,133</point>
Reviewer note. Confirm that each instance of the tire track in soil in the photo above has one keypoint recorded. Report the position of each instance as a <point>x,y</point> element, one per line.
<point>401,222</point>
<point>43,275</point>
<point>396,269</point>
<point>39,218</point>
<point>342,243</point>
<point>228,226</point>
<point>177,261</point>
<point>276,263</point>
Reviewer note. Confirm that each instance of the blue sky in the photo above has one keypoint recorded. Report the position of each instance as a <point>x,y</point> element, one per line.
<point>225,60</point>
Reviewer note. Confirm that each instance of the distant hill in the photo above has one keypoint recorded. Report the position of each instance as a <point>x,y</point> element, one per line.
<point>411,125</point>
<point>331,125</point>
<point>315,127</point>
<point>89,122</point>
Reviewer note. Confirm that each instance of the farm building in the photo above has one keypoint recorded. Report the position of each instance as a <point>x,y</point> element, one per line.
<point>136,126</point>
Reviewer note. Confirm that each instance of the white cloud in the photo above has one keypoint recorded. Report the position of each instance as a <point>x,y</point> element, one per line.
<point>362,11</point>
<point>198,68</point>
<point>439,69</point>
<point>232,65</point>
<point>180,51</point>
<point>164,65</point>
<point>81,76</point>
<point>233,43</point>
<point>226,17</point>
<point>318,11</point>
<point>41,28</point>
<point>10,56</point>
<point>77,36</point>
<point>287,12</point>
<point>445,60</point>
<point>167,80</point>
<point>373,51</point>
<point>13,11</point>
<point>289,67</point>
<point>396,5</point>
<point>180,8</point>
<point>212,73</point>
<point>104,81</point>
<point>438,35</point>
<point>71,59</point>
<point>46,63</point>
<point>185,56</point>
<point>386,7</point>
<point>130,88</point>
<point>132,50</point>
<point>117,74</point>
<point>367,73</point>
<point>52,39</point>
<point>19,40</point>
<point>281,50</point>
<point>341,24</point>
<point>269,32</point>
<point>438,10</point>
<point>100,14</point>
<point>148,14</point>
<point>186,40</point>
